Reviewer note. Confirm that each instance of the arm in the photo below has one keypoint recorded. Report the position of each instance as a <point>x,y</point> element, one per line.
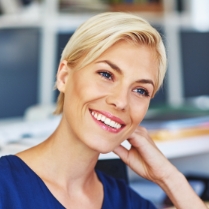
<point>147,161</point>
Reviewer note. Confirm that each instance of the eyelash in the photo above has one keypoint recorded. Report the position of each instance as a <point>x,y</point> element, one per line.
<point>105,75</point>
<point>144,93</point>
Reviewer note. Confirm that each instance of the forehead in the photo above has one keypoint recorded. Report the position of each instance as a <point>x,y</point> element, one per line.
<point>137,50</point>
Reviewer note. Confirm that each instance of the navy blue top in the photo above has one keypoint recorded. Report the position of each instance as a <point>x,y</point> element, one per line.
<point>22,188</point>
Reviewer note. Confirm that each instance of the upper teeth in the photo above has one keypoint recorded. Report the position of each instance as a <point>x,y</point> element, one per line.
<point>106,120</point>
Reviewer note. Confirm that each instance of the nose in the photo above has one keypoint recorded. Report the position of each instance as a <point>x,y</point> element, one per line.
<point>118,98</point>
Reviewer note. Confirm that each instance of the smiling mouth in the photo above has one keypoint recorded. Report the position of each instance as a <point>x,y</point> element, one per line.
<point>107,121</point>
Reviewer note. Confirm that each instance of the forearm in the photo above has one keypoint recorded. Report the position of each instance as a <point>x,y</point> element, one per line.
<point>147,161</point>
<point>180,192</point>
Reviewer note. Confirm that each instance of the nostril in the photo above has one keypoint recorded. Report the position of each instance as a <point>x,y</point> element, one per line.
<point>119,101</point>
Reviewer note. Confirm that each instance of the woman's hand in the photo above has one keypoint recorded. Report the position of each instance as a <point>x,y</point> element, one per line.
<point>144,157</point>
<point>147,161</point>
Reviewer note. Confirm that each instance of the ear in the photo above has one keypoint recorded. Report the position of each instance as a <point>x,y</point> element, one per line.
<point>62,76</point>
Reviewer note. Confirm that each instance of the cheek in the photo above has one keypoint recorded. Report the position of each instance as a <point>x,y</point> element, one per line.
<point>138,111</point>
<point>92,89</point>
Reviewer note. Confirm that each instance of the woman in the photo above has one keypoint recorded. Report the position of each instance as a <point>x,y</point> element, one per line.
<point>109,71</point>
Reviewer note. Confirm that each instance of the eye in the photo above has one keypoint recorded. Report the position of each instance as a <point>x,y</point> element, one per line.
<point>142,92</point>
<point>106,75</point>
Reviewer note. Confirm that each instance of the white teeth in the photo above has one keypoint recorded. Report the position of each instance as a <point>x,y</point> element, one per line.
<point>112,123</point>
<point>103,118</point>
<point>99,117</point>
<point>106,120</point>
<point>118,126</point>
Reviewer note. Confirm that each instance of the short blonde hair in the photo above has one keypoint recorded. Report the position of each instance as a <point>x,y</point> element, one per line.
<point>100,32</point>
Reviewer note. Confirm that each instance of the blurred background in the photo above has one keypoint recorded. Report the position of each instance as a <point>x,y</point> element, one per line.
<point>33,34</point>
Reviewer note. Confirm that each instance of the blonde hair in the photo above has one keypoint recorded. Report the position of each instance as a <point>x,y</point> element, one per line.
<point>100,32</point>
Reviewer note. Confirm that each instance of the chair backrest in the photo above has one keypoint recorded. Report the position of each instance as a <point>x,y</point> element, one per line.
<point>113,167</point>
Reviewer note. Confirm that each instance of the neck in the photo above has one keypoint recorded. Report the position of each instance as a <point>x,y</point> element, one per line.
<point>65,158</point>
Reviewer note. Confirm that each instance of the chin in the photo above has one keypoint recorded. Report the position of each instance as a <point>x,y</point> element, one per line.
<point>103,148</point>
<point>105,151</point>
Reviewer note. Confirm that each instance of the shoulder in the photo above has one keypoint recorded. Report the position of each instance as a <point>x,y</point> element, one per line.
<point>9,163</point>
<point>13,171</point>
<point>8,169</point>
<point>118,193</point>
<point>13,174</point>
<point>5,167</point>
<point>21,188</point>
<point>8,180</point>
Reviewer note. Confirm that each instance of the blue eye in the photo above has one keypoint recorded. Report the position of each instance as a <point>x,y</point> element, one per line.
<point>106,75</point>
<point>142,92</point>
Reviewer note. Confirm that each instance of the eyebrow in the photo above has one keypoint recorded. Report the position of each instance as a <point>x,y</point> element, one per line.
<point>116,68</point>
<point>146,81</point>
<point>112,65</point>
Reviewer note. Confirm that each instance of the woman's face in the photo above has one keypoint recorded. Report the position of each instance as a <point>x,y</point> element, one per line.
<point>106,100</point>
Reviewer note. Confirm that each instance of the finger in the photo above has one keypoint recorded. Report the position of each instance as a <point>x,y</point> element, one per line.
<point>122,152</point>
<point>143,145</point>
<point>141,137</point>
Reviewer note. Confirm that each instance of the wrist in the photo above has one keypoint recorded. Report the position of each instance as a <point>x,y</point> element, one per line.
<point>172,180</point>
<point>180,192</point>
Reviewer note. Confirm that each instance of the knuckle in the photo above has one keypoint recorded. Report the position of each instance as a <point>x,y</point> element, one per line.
<point>143,129</point>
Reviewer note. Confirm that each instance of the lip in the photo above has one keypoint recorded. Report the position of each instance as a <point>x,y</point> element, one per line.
<point>112,117</point>
<point>109,115</point>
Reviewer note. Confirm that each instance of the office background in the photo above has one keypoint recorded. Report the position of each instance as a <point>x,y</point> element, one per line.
<point>33,34</point>
<point>28,48</point>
